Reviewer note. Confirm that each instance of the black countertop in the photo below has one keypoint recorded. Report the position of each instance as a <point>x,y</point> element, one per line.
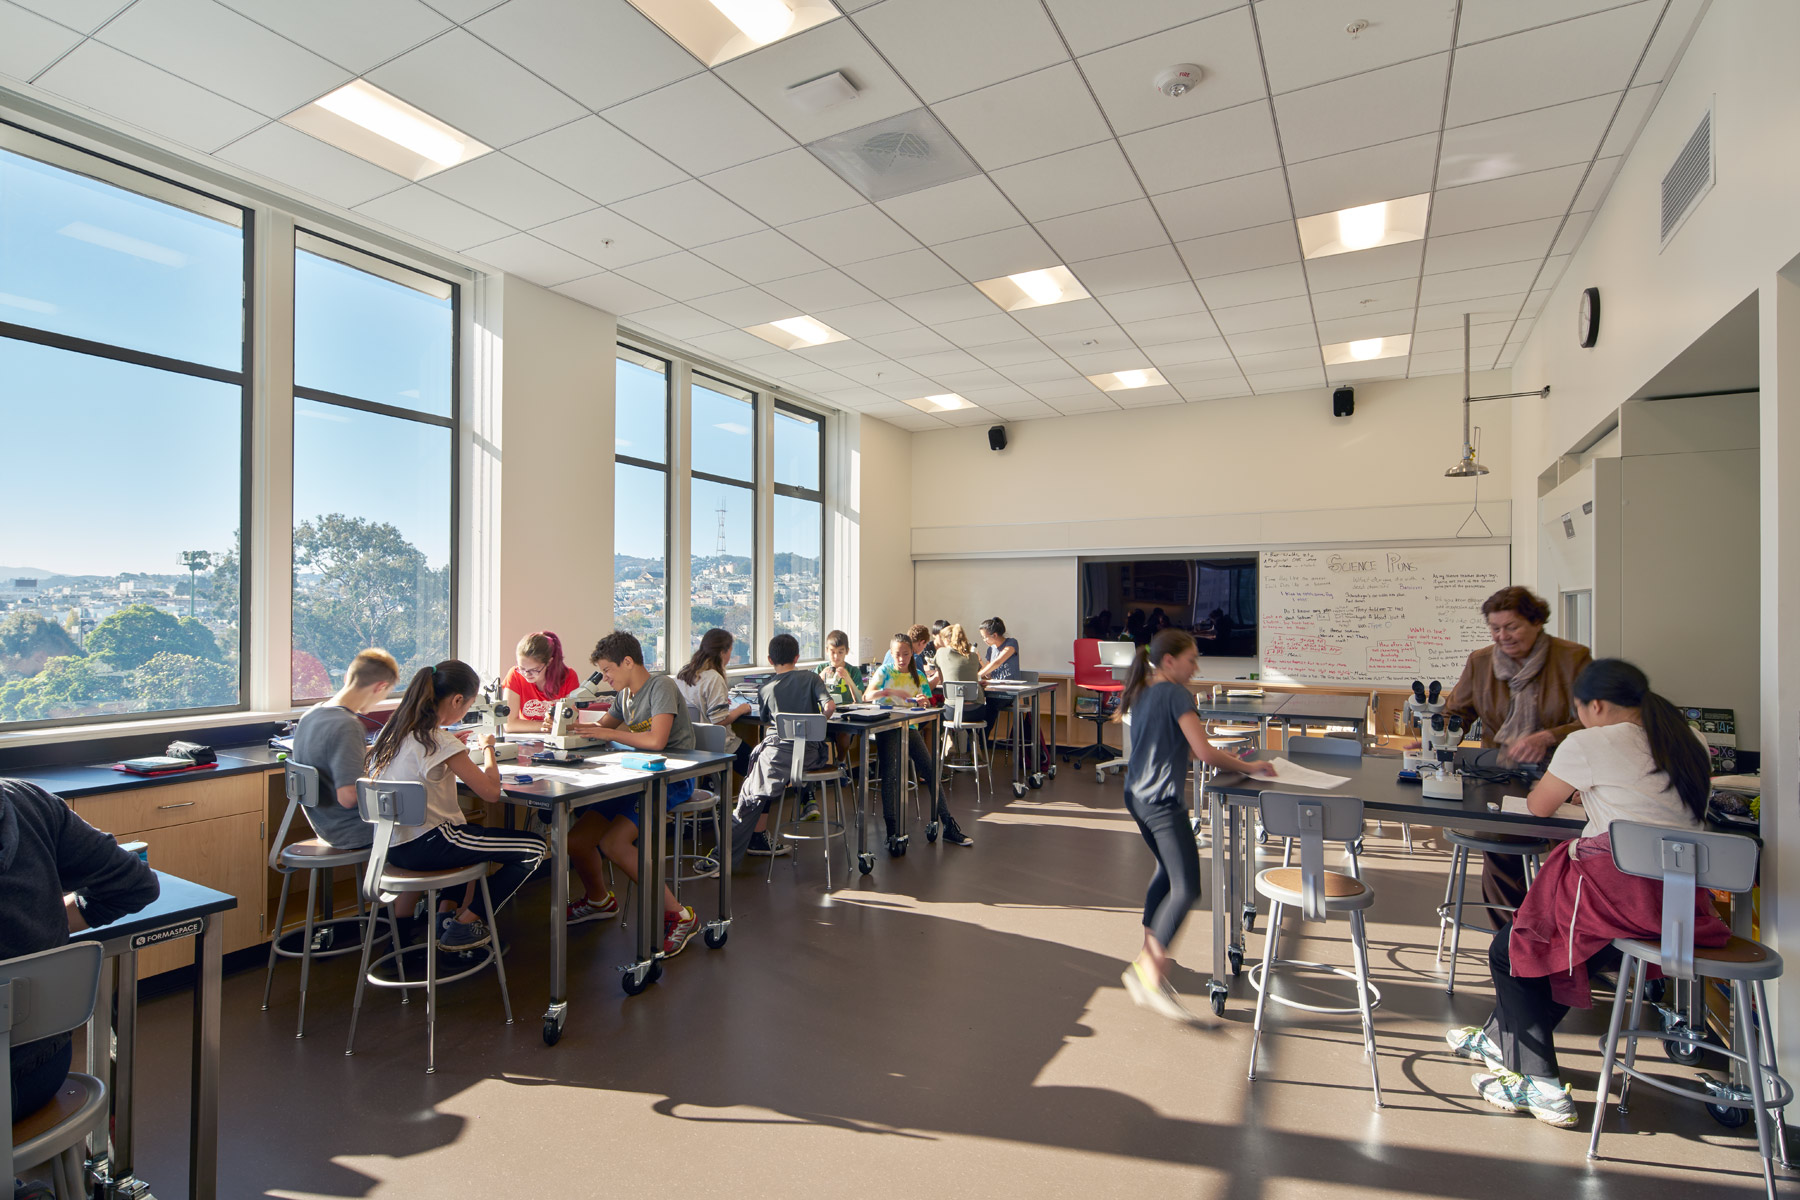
<point>78,781</point>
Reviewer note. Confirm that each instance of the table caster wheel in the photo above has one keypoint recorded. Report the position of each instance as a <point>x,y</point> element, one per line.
<point>1730,1118</point>
<point>1018,791</point>
<point>1099,775</point>
<point>1685,1053</point>
<point>1655,990</point>
<point>715,937</point>
<point>553,1030</point>
<point>865,863</point>
<point>636,979</point>
<point>1217,1000</point>
<point>1235,957</point>
<point>1052,771</point>
<point>931,832</point>
<point>1262,836</point>
<point>1250,921</point>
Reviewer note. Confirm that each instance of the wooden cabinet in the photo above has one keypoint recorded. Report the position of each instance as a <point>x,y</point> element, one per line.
<point>211,831</point>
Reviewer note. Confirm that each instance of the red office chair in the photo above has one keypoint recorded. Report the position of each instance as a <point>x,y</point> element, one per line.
<point>1099,679</point>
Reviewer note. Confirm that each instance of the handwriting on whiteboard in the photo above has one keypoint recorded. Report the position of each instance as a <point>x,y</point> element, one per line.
<point>1378,617</point>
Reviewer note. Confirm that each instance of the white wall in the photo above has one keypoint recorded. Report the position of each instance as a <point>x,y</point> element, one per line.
<point>884,499</point>
<point>536,508</point>
<point>1257,471</point>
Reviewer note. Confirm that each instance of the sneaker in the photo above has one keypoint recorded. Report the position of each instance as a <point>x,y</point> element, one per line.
<point>952,833</point>
<point>1517,1093</point>
<point>1473,1043</point>
<point>762,847</point>
<point>586,909</point>
<point>1158,998</point>
<point>703,866</point>
<point>456,937</point>
<point>678,927</point>
<point>810,811</point>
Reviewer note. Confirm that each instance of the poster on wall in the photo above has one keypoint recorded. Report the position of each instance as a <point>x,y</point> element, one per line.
<point>1376,617</point>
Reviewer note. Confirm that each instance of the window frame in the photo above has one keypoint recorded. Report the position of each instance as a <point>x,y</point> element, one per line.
<point>796,492</point>
<point>628,352</point>
<point>382,267</point>
<point>754,485</point>
<point>141,181</point>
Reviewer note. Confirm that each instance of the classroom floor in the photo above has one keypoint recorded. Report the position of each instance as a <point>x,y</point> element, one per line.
<point>953,1025</point>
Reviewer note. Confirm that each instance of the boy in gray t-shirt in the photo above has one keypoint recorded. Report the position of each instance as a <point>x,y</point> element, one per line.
<point>333,740</point>
<point>771,763</point>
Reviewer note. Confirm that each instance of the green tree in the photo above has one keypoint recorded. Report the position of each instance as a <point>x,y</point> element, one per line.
<point>137,633</point>
<point>66,687</point>
<point>370,587</point>
<point>222,586</point>
<point>28,640</point>
<point>170,681</point>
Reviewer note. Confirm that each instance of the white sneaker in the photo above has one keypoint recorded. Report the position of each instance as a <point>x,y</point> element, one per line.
<point>1473,1043</point>
<point>1518,1093</point>
<point>1158,998</point>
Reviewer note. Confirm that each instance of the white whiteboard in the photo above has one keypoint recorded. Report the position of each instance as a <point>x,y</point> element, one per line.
<point>1377,617</point>
<point>1036,597</point>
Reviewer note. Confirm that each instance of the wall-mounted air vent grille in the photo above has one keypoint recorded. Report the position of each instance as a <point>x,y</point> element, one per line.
<point>896,155</point>
<point>1688,179</point>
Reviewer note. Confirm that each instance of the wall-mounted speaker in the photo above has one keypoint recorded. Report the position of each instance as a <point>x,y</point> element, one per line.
<point>997,437</point>
<point>1343,402</point>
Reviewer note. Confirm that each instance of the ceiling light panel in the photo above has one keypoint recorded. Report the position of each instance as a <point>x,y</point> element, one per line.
<point>797,333</point>
<point>1383,223</point>
<point>946,402</point>
<point>1125,381</point>
<point>385,130</point>
<point>1033,289</point>
<point>717,31</point>
<point>1367,349</point>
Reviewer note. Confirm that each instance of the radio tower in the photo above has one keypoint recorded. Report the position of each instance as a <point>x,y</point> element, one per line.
<point>719,576</point>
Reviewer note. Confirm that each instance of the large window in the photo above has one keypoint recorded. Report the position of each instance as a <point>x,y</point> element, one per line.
<point>722,533</point>
<point>641,502</point>
<point>799,527</point>
<point>374,387</point>
<point>122,395</point>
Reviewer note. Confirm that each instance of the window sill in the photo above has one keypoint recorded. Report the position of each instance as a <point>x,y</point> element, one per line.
<point>116,729</point>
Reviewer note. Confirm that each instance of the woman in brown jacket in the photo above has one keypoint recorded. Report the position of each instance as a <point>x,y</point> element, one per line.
<point>1523,690</point>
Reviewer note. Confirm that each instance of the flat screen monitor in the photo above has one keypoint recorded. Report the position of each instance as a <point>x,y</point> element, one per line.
<point>1213,598</point>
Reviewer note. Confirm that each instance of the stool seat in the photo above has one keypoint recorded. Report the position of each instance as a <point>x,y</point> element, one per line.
<point>78,1107</point>
<point>317,854</point>
<point>1342,892</point>
<point>1496,843</point>
<point>1740,958</point>
<point>701,801</point>
<point>396,880</point>
<point>822,775</point>
<point>1234,730</point>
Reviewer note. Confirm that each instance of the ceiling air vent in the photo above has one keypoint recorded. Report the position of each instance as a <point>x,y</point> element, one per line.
<point>891,157</point>
<point>1689,178</point>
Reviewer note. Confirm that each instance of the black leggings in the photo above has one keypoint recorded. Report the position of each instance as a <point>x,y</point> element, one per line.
<point>449,846</point>
<point>38,1071</point>
<point>887,753</point>
<point>1523,1023</point>
<point>1176,884</point>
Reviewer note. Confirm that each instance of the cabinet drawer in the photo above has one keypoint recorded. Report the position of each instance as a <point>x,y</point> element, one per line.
<point>224,853</point>
<point>140,809</point>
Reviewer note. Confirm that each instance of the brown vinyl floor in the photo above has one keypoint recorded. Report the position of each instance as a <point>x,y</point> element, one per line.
<point>953,1025</point>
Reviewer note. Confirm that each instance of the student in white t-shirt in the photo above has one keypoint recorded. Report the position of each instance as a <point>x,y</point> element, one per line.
<point>1634,759</point>
<point>703,685</point>
<point>413,745</point>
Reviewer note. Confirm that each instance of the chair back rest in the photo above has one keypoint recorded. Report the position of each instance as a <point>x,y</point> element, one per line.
<point>710,738</point>
<point>304,789</point>
<point>1088,667</point>
<point>385,804</point>
<point>958,696</point>
<point>799,729</point>
<point>1313,820</point>
<point>1341,747</point>
<point>1032,676</point>
<point>42,995</point>
<point>1686,861</point>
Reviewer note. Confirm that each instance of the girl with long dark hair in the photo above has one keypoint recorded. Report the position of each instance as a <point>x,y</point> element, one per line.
<point>1166,735</point>
<point>1634,759</point>
<point>413,745</point>
<point>905,684</point>
<point>703,685</point>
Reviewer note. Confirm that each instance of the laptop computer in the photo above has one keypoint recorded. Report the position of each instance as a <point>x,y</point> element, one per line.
<point>1117,654</point>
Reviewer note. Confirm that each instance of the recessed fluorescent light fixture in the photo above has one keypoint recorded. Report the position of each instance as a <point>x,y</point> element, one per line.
<point>797,333</point>
<point>1120,381</point>
<point>936,404</point>
<point>1033,289</point>
<point>387,131</point>
<point>717,31</point>
<point>1367,349</point>
<point>1384,223</point>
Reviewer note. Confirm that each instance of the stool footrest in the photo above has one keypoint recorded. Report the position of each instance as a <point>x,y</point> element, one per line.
<point>1255,975</point>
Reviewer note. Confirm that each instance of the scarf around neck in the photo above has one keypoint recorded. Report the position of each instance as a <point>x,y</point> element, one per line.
<point>1519,676</point>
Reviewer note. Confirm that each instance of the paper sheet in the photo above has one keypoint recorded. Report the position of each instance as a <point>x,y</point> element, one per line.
<point>565,774</point>
<point>1517,807</point>
<point>1298,776</point>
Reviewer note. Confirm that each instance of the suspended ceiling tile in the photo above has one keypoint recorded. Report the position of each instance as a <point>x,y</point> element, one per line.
<point>700,125</point>
<point>1138,271</point>
<point>1118,229</point>
<point>1502,201</point>
<point>952,211</point>
<point>605,237</point>
<point>439,219</point>
<point>1178,354</point>
<point>601,52</point>
<point>903,274</point>
<point>1358,177</point>
<point>784,188</point>
<point>1071,182</point>
<point>1244,202</point>
<point>1068,317</point>
<point>1368,298</point>
<point>1531,141</point>
<point>1670,36</point>
<point>1104,339</point>
<point>1364,110</point>
<point>354,34</point>
<point>942,362</point>
<point>508,189</point>
<point>1492,246</point>
<point>1004,355</point>
<point>525,256</point>
<point>613,293</point>
<point>946,47</point>
<point>1267,315</point>
<point>1454,286</point>
<point>1161,331</point>
<point>1205,149</point>
<point>465,82</point>
<point>1242,250</point>
<point>942,305</point>
<point>1045,112</point>
<point>223,51</point>
<point>1567,61</point>
<point>735,344</point>
<point>1224,46</point>
<point>1362,268</point>
<point>1599,179</point>
<point>102,78</point>
<point>683,276</point>
<point>1169,300</point>
<point>764,76</point>
<point>678,321</point>
<point>760,257</point>
<point>861,321</point>
<point>1286,381</point>
<point>992,255</point>
<point>819,290</point>
<point>1254,287</point>
<point>601,162</point>
<point>29,42</point>
<point>1274,341</point>
<point>288,156</point>
<point>83,16</point>
<point>851,236</point>
<point>1482,309</point>
<point>909,343</point>
<point>1305,43</point>
<point>1485,19</point>
<point>1039,372</point>
<point>981,331</point>
<point>1091,25</point>
<point>689,214</point>
<point>1633,112</point>
<point>1369,325</point>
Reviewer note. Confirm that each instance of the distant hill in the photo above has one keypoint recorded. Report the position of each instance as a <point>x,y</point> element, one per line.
<point>627,567</point>
<point>8,574</point>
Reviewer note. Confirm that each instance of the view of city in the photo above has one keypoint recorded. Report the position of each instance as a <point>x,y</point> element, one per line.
<point>722,598</point>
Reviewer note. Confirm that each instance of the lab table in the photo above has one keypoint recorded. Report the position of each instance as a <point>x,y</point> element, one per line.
<point>866,729</point>
<point>1034,770</point>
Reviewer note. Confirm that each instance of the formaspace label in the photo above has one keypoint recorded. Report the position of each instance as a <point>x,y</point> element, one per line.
<point>168,933</point>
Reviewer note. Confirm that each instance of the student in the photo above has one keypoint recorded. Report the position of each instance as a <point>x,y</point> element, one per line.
<point>651,716</point>
<point>904,684</point>
<point>924,645</point>
<point>845,683</point>
<point>703,685</point>
<point>414,745</point>
<point>956,663</point>
<point>58,874</point>
<point>1000,660</point>
<point>772,762</point>
<point>333,740</point>
<point>541,678</point>
<point>1634,759</point>
<point>1166,733</point>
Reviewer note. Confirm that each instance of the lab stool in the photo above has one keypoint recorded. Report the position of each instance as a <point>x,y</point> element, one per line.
<point>799,730</point>
<point>957,697</point>
<point>1450,912</point>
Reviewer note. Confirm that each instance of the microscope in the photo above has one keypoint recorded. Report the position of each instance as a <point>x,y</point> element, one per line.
<point>1439,739</point>
<point>1421,706</point>
<point>563,717</point>
<point>491,711</point>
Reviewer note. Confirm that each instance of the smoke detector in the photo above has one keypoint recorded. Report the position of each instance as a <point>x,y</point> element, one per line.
<point>1178,80</point>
